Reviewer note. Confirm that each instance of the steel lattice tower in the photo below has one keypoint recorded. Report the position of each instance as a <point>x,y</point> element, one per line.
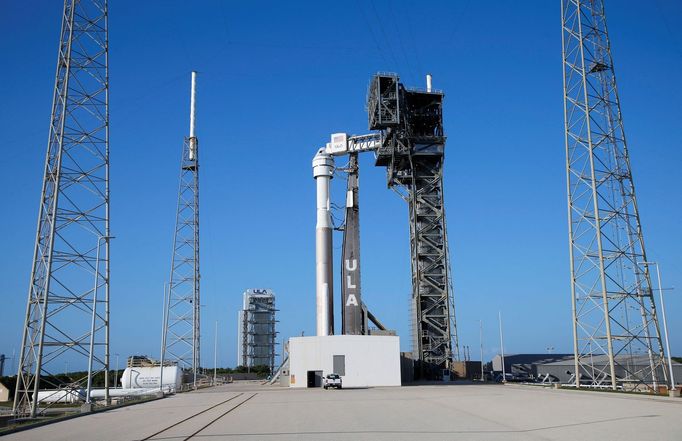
<point>67,313</point>
<point>413,153</point>
<point>181,335</point>
<point>617,341</point>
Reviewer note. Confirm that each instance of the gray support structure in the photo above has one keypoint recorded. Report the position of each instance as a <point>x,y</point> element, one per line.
<point>413,149</point>
<point>614,314</point>
<point>66,320</point>
<point>181,332</point>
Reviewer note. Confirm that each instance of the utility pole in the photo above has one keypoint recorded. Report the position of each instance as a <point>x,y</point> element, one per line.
<point>504,369</point>
<point>617,339</point>
<point>73,218</point>
<point>181,334</point>
<point>665,323</point>
<point>480,339</point>
<point>215,355</point>
<point>116,376</point>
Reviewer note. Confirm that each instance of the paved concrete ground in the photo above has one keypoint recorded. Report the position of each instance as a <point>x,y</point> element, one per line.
<point>466,412</point>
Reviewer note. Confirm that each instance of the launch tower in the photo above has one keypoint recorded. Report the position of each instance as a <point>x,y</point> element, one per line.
<point>413,149</point>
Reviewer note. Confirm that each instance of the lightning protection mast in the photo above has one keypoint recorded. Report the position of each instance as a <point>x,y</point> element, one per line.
<point>617,342</point>
<point>181,335</point>
<point>67,313</point>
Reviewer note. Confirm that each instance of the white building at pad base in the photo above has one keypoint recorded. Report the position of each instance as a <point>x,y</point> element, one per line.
<point>360,360</point>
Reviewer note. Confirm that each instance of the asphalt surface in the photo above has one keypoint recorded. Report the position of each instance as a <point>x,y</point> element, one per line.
<point>249,411</point>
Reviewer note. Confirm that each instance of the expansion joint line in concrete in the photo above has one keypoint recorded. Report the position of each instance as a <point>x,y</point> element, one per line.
<point>219,417</point>
<point>190,417</point>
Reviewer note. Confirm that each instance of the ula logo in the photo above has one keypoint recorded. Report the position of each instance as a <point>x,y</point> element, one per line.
<point>351,266</point>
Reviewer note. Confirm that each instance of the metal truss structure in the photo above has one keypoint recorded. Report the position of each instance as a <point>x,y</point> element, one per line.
<point>413,149</point>
<point>67,313</point>
<point>181,328</point>
<point>617,341</point>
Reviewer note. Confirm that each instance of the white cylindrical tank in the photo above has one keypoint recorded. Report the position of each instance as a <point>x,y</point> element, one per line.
<point>61,396</point>
<point>100,393</point>
<point>149,377</point>
<point>428,82</point>
<point>323,171</point>
<point>78,395</point>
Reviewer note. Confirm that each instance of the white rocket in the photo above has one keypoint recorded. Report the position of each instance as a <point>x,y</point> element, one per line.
<point>323,171</point>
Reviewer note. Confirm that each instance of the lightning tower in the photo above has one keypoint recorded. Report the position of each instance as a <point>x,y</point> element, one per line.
<point>617,341</point>
<point>67,312</point>
<point>413,150</point>
<point>181,330</point>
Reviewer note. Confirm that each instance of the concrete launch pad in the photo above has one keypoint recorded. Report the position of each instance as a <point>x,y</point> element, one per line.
<point>467,412</point>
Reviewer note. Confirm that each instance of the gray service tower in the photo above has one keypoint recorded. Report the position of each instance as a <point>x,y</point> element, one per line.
<point>413,150</point>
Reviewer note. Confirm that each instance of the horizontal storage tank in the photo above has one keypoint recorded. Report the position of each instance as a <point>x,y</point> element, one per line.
<point>78,395</point>
<point>101,393</point>
<point>61,396</point>
<point>150,377</point>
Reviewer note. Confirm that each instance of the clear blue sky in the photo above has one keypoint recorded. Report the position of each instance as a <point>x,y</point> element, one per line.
<point>276,79</point>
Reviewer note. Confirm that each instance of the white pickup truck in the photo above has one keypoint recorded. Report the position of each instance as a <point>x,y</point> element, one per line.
<point>332,380</point>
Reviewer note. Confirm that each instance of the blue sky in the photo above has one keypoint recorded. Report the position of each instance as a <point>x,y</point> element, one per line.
<point>276,78</point>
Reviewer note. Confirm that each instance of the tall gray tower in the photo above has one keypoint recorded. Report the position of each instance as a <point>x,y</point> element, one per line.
<point>67,312</point>
<point>413,152</point>
<point>617,341</point>
<point>181,330</point>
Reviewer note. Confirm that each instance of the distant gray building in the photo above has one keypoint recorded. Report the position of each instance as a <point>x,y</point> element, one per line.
<point>257,333</point>
<point>559,368</point>
<point>562,371</point>
<point>526,365</point>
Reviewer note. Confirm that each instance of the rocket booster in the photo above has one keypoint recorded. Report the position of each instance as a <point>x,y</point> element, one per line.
<point>323,170</point>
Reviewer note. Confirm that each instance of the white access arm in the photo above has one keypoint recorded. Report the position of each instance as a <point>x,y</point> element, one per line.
<point>342,143</point>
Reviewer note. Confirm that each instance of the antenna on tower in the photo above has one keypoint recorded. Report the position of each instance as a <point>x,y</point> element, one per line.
<point>181,327</point>
<point>192,102</point>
